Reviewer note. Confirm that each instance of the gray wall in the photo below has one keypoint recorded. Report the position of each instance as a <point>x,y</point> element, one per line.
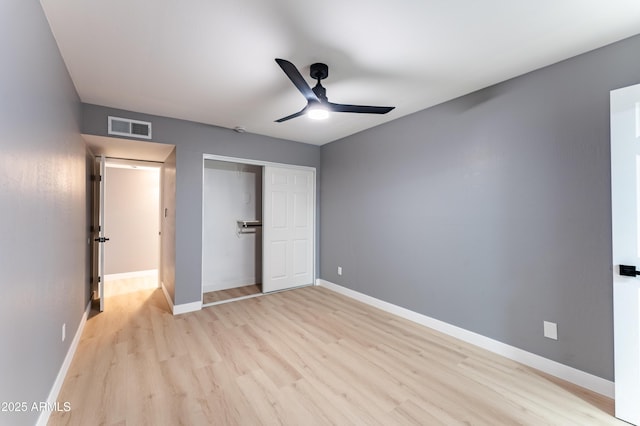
<point>43,226</point>
<point>490,212</point>
<point>132,214</point>
<point>192,141</point>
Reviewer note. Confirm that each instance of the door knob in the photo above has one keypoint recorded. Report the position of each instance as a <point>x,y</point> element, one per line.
<point>628,271</point>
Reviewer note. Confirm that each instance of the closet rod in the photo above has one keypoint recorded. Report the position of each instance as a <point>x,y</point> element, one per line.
<point>249,223</point>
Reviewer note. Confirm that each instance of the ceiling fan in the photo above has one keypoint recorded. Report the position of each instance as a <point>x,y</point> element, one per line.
<point>318,106</point>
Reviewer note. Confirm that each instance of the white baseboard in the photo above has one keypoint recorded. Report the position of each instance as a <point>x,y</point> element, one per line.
<point>167,296</point>
<point>182,308</point>
<point>134,274</point>
<point>64,369</point>
<point>570,374</point>
<point>187,307</point>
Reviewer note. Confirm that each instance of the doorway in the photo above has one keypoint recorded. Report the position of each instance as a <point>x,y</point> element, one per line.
<point>131,155</point>
<point>132,222</point>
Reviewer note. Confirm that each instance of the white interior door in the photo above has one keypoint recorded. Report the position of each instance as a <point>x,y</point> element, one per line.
<point>99,238</point>
<point>625,183</point>
<point>288,228</point>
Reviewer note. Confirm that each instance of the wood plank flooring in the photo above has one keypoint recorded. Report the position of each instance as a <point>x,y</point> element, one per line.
<point>302,357</point>
<point>231,293</point>
<point>116,287</point>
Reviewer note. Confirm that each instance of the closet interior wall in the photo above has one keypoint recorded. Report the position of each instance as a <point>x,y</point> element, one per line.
<point>232,256</point>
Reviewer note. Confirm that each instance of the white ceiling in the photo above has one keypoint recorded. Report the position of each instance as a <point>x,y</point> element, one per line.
<point>212,61</point>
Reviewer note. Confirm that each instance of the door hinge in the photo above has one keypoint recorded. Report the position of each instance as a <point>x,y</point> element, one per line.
<point>99,278</point>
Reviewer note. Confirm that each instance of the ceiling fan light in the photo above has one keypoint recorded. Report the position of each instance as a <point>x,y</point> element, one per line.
<point>318,113</point>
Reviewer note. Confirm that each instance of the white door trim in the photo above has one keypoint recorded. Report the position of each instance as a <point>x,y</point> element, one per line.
<point>254,162</point>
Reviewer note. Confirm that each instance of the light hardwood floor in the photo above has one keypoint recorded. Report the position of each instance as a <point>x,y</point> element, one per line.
<point>302,357</point>
<point>116,287</point>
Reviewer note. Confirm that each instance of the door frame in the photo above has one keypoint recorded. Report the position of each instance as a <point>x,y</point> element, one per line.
<point>98,216</point>
<point>264,164</point>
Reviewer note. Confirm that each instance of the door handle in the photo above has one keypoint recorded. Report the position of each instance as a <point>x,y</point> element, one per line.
<point>628,271</point>
<point>101,239</point>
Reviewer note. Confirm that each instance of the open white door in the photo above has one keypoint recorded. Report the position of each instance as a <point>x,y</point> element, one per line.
<point>625,184</point>
<point>98,229</point>
<point>288,228</point>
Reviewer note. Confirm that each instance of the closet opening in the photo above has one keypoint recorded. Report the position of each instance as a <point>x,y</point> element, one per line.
<point>258,228</point>
<point>232,231</point>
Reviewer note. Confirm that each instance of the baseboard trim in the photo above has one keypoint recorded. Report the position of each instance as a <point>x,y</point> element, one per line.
<point>187,307</point>
<point>182,308</point>
<point>134,274</point>
<point>570,374</point>
<point>167,296</point>
<point>64,369</point>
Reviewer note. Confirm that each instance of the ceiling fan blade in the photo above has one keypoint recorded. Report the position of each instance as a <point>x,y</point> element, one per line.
<point>296,78</point>
<point>363,109</point>
<point>297,114</point>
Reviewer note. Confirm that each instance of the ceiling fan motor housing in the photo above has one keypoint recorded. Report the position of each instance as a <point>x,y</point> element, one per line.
<point>319,71</point>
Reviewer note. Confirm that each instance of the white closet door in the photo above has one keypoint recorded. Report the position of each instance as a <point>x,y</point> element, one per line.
<point>288,228</point>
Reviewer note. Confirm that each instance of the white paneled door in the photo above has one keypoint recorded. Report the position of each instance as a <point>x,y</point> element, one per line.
<point>288,228</point>
<point>625,200</point>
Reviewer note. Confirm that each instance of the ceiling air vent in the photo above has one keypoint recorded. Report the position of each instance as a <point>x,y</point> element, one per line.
<point>126,127</point>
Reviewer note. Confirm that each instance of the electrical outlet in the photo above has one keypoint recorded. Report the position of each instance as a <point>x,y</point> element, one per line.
<point>550,330</point>
<point>64,331</point>
<point>339,270</point>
